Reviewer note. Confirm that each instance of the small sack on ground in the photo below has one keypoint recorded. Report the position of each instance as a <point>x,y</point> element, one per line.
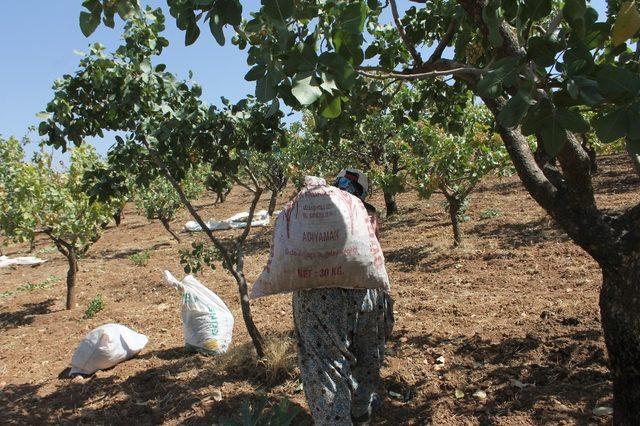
<point>105,347</point>
<point>323,238</point>
<point>208,323</point>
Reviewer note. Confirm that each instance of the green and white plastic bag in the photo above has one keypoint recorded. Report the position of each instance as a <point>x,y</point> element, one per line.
<point>208,323</point>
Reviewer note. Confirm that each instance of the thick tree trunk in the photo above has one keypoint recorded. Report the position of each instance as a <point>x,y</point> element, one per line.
<point>620,312</point>
<point>166,225</point>
<point>71,278</point>
<point>454,210</point>
<point>635,158</point>
<point>390,203</point>
<point>272,203</point>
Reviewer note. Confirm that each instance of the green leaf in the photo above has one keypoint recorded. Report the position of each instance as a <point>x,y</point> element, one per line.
<point>125,9</point>
<point>578,60</point>
<point>492,17</point>
<point>192,33</point>
<point>328,83</point>
<point>216,27</point>
<point>543,51</point>
<point>44,115</point>
<point>574,13</point>
<point>371,51</point>
<point>305,88</point>
<point>617,81</point>
<point>515,109</point>
<point>627,23</point>
<point>273,108</point>
<point>145,66</point>
<point>588,90</point>
<point>554,136</point>
<point>504,74</point>
<point>612,126</point>
<point>231,10</point>
<point>255,73</point>
<point>633,116</point>
<point>339,69</point>
<point>353,17</point>
<point>572,120</point>
<point>265,88</point>
<point>574,9</point>
<point>88,23</point>
<point>279,10</point>
<point>536,9</point>
<point>333,108</point>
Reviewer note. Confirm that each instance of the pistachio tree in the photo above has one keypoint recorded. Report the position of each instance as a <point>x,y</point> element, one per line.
<point>36,198</point>
<point>167,128</point>
<point>538,65</point>
<point>454,164</point>
<point>11,155</point>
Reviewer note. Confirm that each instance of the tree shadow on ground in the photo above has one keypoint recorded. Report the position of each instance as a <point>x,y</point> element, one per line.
<point>25,315</point>
<point>183,390</point>
<point>542,375</point>
<point>258,241</point>
<point>610,182</point>
<point>125,254</point>
<point>511,236</point>
<point>409,221</point>
<point>501,187</point>
<point>408,258</point>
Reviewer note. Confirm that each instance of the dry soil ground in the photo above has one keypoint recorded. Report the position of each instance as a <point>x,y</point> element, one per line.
<point>514,313</point>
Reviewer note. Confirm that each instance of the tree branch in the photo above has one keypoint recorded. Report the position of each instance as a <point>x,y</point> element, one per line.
<point>417,59</point>
<point>185,201</point>
<point>553,25</point>
<point>62,246</point>
<point>576,169</point>
<point>383,74</point>
<point>252,210</point>
<point>444,42</point>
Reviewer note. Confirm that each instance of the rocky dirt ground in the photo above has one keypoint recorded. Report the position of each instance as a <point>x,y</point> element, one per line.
<point>513,313</point>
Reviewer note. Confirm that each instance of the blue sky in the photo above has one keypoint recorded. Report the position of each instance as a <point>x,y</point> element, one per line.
<point>38,39</point>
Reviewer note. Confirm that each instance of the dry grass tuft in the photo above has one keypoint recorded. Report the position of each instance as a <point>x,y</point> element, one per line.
<point>280,357</point>
<point>279,362</point>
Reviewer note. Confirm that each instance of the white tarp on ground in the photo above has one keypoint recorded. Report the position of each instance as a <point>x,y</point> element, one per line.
<point>27,260</point>
<point>260,218</point>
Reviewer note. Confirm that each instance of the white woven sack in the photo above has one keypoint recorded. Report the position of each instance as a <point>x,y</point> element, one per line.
<point>207,322</point>
<point>105,347</point>
<point>323,238</point>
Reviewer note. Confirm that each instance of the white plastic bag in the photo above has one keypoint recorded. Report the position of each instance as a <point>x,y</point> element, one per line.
<point>323,238</point>
<point>106,346</point>
<point>208,323</point>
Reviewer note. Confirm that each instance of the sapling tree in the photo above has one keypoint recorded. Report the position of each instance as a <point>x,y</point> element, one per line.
<point>454,164</point>
<point>537,65</point>
<point>39,198</point>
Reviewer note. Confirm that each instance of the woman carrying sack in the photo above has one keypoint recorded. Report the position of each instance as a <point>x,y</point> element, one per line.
<point>341,335</point>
